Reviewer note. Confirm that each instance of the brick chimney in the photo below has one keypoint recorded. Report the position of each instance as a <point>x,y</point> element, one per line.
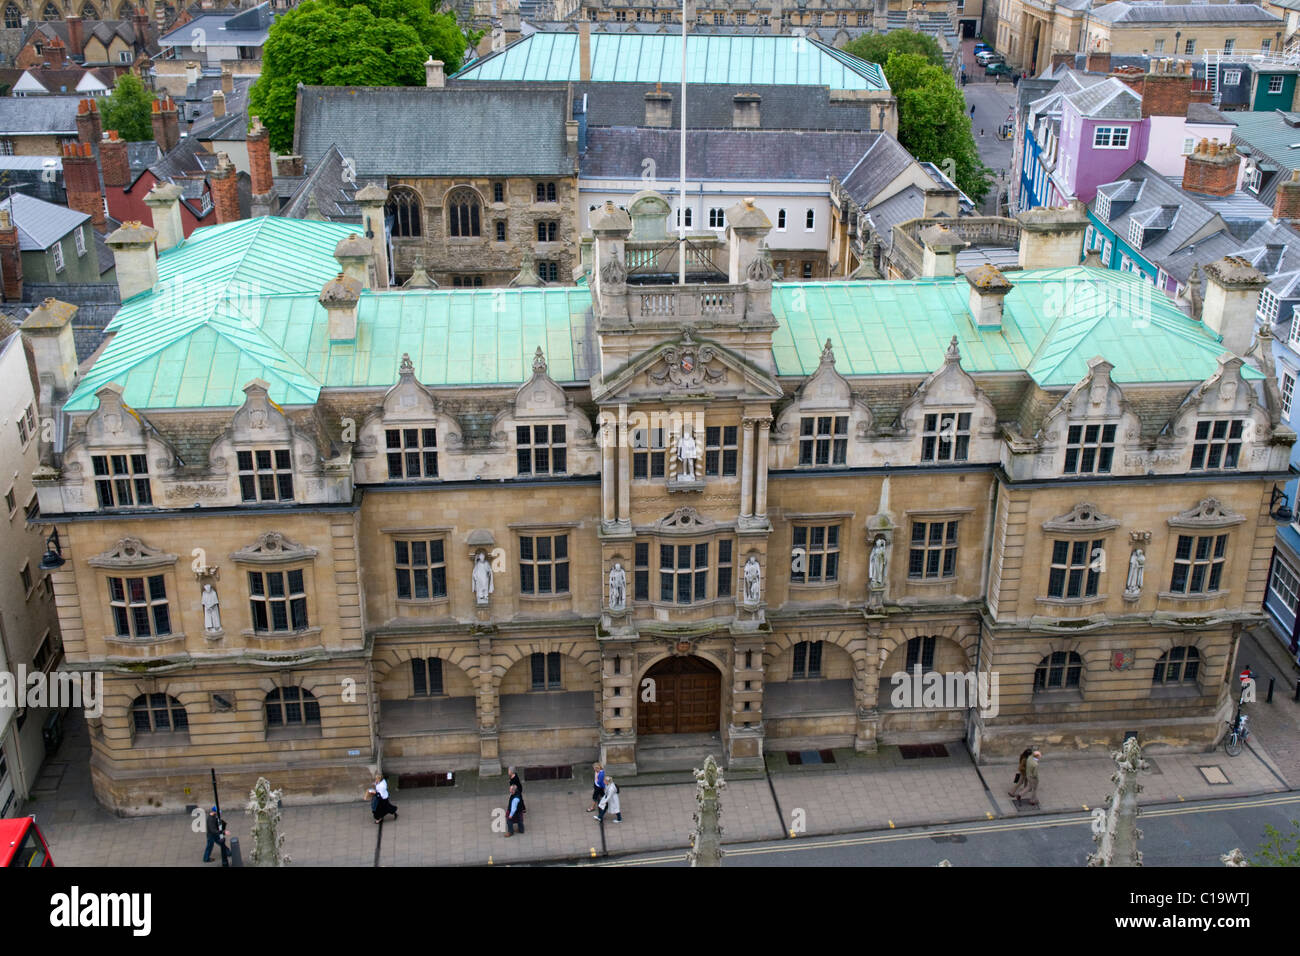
<point>1211,169</point>
<point>218,104</point>
<point>745,112</point>
<point>1287,203</point>
<point>114,164</point>
<point>76,36</point>
<point>135,257</point>
<point>11,260</point>
<point>227,81</point>
<point>225,190</point>
<point>1098,62</point>
<point>166,124</point>
<point>140,24</point>
<point>89,129</point>
<point>259,163</point>
<point>289,165</point>
<point>55,54</point>
<point>81,182</point>
<point>434,76</point>
<point>659,109</point>
<point>1166,90</point>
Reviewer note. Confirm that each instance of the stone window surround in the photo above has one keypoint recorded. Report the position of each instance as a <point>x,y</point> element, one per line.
<point>424,534</point>
<point>843,520</point>
<point>131,556</point>
<point>274,552</point>
<point>550,529</point>
<point>931,515</point>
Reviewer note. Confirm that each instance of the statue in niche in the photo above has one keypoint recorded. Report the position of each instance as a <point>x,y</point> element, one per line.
<point>481,578</point>
<point>211,608</point>
<point>753,581</point>
<point>617,587</point>
<point>878,564</point>
<point>688,453</point>
<point>1136,568</point>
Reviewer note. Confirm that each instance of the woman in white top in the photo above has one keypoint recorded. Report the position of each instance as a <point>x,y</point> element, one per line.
<point>378,795</point>
<point>610,801</point>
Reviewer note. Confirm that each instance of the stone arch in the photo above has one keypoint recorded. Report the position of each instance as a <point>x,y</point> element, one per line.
<point>464,205</point>
<point>964,636</point>
<point>390,658</point>
<point>721,661</point>
<point>406,206</point>
<point>506,658</point>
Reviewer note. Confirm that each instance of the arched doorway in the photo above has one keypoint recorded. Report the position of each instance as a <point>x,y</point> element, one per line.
<point>688,698</point>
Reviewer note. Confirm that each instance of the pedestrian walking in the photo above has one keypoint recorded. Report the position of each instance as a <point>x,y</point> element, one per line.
<point>216,837</point>
<point>610,802</point>
<point>515,812</point>
<point>597,786</point>
<point>514,781</point>
<point>1019,783</point>
<point>378,794</point>
<point>972,109</point>
<point>1031,775</point>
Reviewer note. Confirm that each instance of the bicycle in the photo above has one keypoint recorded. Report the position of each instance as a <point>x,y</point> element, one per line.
<point>1237,736</point>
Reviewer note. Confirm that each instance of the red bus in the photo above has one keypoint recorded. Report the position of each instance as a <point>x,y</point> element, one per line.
<point>21,843</point>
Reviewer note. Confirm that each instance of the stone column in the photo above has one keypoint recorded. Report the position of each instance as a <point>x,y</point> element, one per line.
<point>608,479</point>
<point>760,467</point>
<point>745,735</point>
<point>618,708</point>
<point>624,453</point>
<point>747,469</point>
<point>489,733</point>
<point>866,695</point>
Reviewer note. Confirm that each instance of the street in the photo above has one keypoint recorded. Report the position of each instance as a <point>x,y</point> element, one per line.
<point>994,103</point>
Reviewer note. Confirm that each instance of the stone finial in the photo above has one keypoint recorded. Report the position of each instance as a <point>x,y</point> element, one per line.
<point>313,209</point>
<point>760,266</point>
<point>613,273</point>
<point>953,355</point>
<point>828,354</point>
<point>406,366</point>
<point>539,362</point>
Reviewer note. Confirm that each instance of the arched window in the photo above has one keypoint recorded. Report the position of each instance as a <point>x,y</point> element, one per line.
<point>51,12</point>
<point>404,206</point>
<point>807,659</point>
<point>158,714</point>
<point>463,214</point>
<point>1060,669</point>
<point>501,231</point>
<point>920,653</point>
<point>1178,665</point>
<point>426,677</point>
<point>288,707</point>
<point>13,17</point>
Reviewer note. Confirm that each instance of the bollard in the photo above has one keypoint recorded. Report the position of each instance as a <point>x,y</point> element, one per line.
<point>1271,681</point>
<point>236,859</point>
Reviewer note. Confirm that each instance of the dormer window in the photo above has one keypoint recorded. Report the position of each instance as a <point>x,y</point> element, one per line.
<point>412,452</point>
<point>945,436</point>
<point>1135,234</point>
<point>122,481</point>
<point>1102,207</point>
<point>1089,449</point>
<point>266,474</point>
<point>823,439</point>
<point>1218,443</point>
<point>541,449</point>
<point>1268,305</point>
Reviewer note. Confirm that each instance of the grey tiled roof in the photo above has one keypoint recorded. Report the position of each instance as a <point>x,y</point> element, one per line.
<point>96,302</point>
<point>40,224</point>
<point>709,106</point>
<point>334,193</point>
<point>1109,99</point>
<point>38,115</point>
<point>1122,12</point>
<point>1205,113</point>
<point>903,206</point>
<point>732,154</point>
<point>416,131</point>
<point>883,161</point>
<point>189,158</point>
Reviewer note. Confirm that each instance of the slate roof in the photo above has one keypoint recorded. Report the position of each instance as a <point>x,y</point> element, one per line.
<point>335,194</point>
<point>40,224</point>
<point>1274,249</point>
<point>38,115</point>
<point>96,302</point>
<point>1109,99</point>
<point>66,81</point>
<point>1241,211</point>
<point>883,161</point>
<point>657,58</point>
<point>726,154</point>
<point>242,28</point>
<point>188,159</point>
<point>102,30</point>
<point>416,131</point>
<point>199,346</point>
<point>1207,114</point>
<point>710,106</point>
<point>1268,137</point>
<point>903,206</point>
<point>1134,13</point>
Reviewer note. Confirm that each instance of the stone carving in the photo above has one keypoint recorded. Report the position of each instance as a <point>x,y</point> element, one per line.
<point>613,273</point>
<point>686,365</point>
<point>211,608</point>
<point>195,492</point>
<point>1137,563</point>
<point>760,267</point>
<point>268,841</point>
<point>706,836</point>
<point>481,579</point>
<point>1208,513</point>
<point>688,452</point>
<point>684,518</point>
<point>131,553</point>
<point>878,564</point>
<point>617,587</point>
<point>406,367</point>
<point>1082,517</point>
<point>1117,842</point>
<point>753,581</point>
<point>539,362</point>
<point>273,546</point>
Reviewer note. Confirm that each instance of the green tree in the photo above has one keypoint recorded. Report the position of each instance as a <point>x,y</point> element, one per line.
<point>877,47</point>
<point>349,43</point>
<point>1281,849</point>
<point>932,122</point>
<point>128,109</point>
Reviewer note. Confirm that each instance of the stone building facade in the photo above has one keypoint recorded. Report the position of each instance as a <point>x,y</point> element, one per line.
<point>458,529</point>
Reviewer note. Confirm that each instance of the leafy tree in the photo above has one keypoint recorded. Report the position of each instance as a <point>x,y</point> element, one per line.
<point>128,109</point>
<point>878,47</point>
<point>1281,849</point>
<point>932,121</point>
<point>349,43</point>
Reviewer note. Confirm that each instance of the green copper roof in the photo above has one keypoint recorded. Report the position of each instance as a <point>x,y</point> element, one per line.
<point>239,302</point>
<point>657,58</point>
<point>1054,321</point>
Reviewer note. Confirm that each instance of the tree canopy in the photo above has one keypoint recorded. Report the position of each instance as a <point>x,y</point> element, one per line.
<point>877,47</point>
<point>128,109</point>
<point>349,43</point>
<point>932,121</point>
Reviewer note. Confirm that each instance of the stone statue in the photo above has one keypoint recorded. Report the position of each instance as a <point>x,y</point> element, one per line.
<point>879,562</point>
<point>753,581</point>
<point>617,587</point>
<point>211,608</point>
<point>688,451</point>
<point>482,578</point>
<point>1136,567</point>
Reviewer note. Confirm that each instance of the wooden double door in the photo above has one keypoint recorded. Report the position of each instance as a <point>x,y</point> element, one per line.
<point>688,698</point>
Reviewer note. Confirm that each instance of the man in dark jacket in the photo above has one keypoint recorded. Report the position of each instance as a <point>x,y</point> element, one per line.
<point>216,835</point>
<point>514,781</point>
<point>515,813</point>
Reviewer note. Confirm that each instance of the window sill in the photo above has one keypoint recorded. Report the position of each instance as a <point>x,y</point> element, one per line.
<point>950,580</point>
<point>1204,596</point>
<point>281,635</point>
<point>797,586</point>
<point>120,641</point>
<point>1073,602</point>
<point>536,598</point>
<point>423,602</point>
<point>307,732</point>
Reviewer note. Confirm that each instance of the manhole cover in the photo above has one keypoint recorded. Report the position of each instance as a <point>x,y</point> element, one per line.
<point>1213,775</point>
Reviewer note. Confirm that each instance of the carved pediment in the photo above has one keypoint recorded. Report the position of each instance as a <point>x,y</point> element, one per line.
<point>949,387</point>
<point>540,396</point>
<point>259,419</point>
<point>827,388</point>
<point>273,547</point>
<point>1094,398</point>
<point>408,399</point>
<point>684,519</point>
<point>132,554</point>
<point>114,423</point>
<point>1208,513</point>
<point>688,366</point>
<point>1082,518</point>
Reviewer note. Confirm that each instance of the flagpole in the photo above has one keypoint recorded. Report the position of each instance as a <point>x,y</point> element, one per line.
<point>681,167</point>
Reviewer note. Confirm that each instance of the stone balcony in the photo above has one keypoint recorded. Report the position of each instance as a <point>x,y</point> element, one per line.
<point>976,231</point>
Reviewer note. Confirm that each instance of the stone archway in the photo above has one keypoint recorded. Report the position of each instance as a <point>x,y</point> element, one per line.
<point>688,698</point>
